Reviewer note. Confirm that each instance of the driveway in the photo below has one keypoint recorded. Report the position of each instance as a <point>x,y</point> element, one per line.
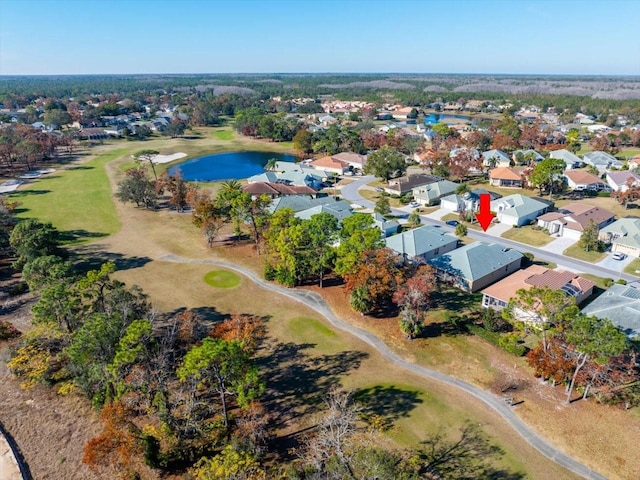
<point>438,214</point>
<point>558,245</point>
<point>498,229</point>
<point>615,265</point>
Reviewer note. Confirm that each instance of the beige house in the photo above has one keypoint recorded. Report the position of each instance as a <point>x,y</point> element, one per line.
<point>505,177</point>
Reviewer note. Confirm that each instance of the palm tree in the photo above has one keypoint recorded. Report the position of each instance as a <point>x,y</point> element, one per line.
<point>271,165</point>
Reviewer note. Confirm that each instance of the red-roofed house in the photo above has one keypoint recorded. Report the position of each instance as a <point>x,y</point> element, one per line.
<point>570,220</point>
<point>330,164</point>
<point>505,177</point>
<point>497,296</point>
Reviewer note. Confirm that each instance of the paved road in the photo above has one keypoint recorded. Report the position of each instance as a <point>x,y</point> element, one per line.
<point>350,192</point>
<point>316,302</point>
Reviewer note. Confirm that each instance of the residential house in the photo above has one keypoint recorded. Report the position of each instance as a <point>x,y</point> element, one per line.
<point>495,158</point>
<point>466,202</point>
<point>570,159</point>
<point>623,235</point>
<point>621,305</point>
<point>298,203</point>
<point>422,244</point>
<point>431,193</point>
<point>477,265</point>
<point>329,164</point>
<point>522,157</point>
<point>277,189</point>
<point>571,220</point>
<point>387,227</point>
<point>602,161</point>
<point>354,160</point>
<point>582,180</point>
<point>518,210</point>
<point>402,185</point>
<point>340,210</point>
<point>497,296</point>
<point>505,177</point>
<point>622,180</point>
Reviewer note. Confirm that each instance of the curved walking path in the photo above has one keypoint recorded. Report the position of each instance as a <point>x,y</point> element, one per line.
<point>317,303</point>
<point>12,466</point>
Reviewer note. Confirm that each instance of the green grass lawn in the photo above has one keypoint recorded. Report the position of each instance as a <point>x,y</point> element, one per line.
<point>222,279</point>
<point>634,267</point>
<point>599,281</point>
<point>576,252</point>
<point>77,201</point>
<point>456,217</point>
<point>223,134</point>
<point>535,238</point>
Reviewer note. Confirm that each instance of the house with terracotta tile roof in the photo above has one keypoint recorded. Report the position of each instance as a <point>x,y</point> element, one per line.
<point>330,164</point>
<point>497,296</point>
<point>505,177</point>
<point>570,221</point>
<point>354,160</point>
<point>582,180</point>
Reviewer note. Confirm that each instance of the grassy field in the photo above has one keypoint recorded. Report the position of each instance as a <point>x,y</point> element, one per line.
<point>576,251</point>
<point>455,216</point>
<point>224,134</point>
<point>535,238</point>
<point>304,356</point>
<point>222,279</point>
<point>78,201</point>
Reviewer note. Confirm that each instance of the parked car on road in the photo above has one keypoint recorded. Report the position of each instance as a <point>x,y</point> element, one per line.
<point>453,223</point>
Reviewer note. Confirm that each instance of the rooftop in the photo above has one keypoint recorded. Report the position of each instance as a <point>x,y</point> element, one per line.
<point>476,260</point>
<point>420,240</point>
<point>621,305</point>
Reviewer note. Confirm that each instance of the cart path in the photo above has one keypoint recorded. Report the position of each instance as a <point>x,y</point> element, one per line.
<point>317,303</point>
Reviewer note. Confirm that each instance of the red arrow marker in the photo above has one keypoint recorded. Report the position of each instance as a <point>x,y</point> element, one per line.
<point>485,216</point>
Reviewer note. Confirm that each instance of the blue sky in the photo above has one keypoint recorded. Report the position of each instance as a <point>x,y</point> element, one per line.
<point>215,36</point>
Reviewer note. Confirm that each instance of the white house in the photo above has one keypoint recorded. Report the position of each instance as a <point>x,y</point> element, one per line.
<point>622,180</point>
<point>518,210</point>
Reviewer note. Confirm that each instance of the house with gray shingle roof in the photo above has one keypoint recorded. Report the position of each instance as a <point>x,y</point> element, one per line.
<point>423,243</point>
<point>520,156</point>
<point>624,236</point>
<point>476,266</point>
<point>431,193</point>
<point>495,158</point>
<point>601,160</point>
<point>621,305</point>
<point>518,210</point>
<point>297,203</point>
<point>340,210</point>
<point>570,159</point>
<point>388,227</point>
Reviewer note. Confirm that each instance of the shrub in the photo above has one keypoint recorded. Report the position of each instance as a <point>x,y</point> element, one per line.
<point>604,194</point>
<point>621,281</point>
<point>8,331</point>
<point>510,342</point>
<point>607,282</point>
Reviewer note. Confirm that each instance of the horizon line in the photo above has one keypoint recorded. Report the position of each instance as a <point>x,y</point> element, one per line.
<point>324,73</point>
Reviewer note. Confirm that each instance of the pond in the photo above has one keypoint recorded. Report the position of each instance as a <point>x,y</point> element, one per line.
<point>433,118</point>
<point>227,166</point>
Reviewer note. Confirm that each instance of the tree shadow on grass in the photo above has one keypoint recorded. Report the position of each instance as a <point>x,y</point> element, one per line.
<point>298,381</point>
<point>456,300</point>
<point>388,403</point>
<point>73,236</point>
<point>90,257</point>
<point>17,195</point>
